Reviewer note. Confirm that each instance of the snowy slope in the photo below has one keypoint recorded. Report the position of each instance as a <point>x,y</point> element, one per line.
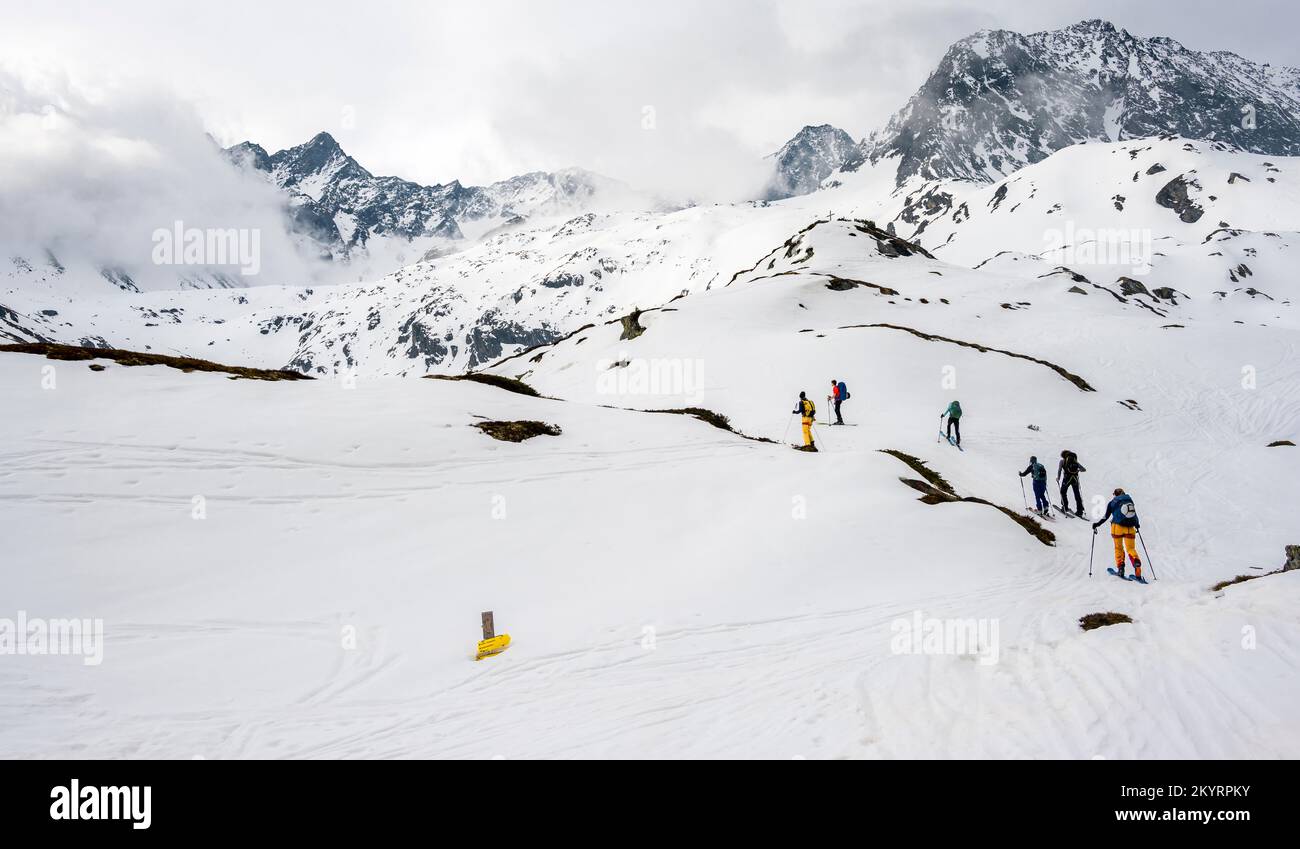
<point>673,589</point>
<point>517,286</point>
<point>1172,213</point>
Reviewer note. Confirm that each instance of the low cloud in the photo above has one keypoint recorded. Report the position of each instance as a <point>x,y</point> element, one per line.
<point>92,174</point>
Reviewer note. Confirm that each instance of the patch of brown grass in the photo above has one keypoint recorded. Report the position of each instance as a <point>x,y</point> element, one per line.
<point>983,349</point>
<point>75,353</point>
<point>517,431</point>
<point>1093,621</point>
<point>935,490</point>
<point>509,384</point>
<point>917,465</point>
<point>709,417</point>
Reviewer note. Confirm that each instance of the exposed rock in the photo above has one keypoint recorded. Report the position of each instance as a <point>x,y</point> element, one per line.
<point>1175,196</point>
<point>421,344</point>
<point>631,326</point>
<point>561,280</point>
<point>487,339</point>
<point>1131,287</point>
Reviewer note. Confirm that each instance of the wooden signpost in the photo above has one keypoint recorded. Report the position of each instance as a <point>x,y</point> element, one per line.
<point>491,644</point>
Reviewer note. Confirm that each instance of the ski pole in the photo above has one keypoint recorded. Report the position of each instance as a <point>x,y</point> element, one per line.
<point>1023,496</point>
<point>939,438</point>
<point>1148,556</point>
<point>820,433</point>
<point>788,422</point>
<point>1092,551</point>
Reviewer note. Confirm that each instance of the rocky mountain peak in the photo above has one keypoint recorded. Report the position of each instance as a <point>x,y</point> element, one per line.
<point>811,156</point>
<point>999,100</point>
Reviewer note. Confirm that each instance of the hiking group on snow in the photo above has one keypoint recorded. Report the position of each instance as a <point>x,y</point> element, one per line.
<point>1122,512</point>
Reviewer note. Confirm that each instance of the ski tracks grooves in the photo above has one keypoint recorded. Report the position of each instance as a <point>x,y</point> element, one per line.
<point>223,474</point>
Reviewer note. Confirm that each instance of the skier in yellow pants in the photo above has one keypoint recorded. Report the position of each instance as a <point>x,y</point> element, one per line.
<point>808,411</point>
<point>1126,538</point>
<point>1124,524</point>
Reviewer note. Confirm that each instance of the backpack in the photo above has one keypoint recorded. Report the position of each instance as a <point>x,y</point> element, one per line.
<point>812,409</point>
<point>1071,464</point>
<point>844,391</point>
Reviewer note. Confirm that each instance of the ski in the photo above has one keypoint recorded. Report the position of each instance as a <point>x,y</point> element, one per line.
<point>1118,575</point>
<point>1068,513</point>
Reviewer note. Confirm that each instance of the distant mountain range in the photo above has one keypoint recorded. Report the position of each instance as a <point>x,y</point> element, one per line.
<point>342,206</point>
<point>996,102</point>
<point>999,101</point>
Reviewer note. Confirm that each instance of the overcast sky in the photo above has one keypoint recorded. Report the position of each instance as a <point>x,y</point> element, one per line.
<point>435,90</point>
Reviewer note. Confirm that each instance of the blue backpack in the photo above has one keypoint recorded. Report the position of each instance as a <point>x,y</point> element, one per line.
<point>844,392</point>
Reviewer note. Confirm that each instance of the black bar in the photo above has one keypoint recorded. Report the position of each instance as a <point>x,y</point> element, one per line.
<point>963,798</point>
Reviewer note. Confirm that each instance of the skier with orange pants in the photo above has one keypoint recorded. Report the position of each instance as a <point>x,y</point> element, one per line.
<point>808,411</point>
<point>1124,525</point>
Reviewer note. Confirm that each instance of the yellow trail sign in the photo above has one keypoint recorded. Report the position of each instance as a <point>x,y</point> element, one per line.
<point>495,645</point>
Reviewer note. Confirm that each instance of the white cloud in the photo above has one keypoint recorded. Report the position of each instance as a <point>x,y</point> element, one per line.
<point>486,89</point>
<point>91,175</point>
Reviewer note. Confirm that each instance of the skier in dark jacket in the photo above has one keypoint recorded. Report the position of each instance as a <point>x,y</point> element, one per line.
<point>1124,525</point>
<point>1038,473</point>
<point>1067,475</point>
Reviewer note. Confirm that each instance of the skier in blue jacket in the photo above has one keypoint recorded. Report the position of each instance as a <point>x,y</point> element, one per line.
<point>1124,525</point>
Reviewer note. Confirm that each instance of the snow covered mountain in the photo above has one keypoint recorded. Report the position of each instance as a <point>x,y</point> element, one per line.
<point>487,271</point>
<point>1159,222</point>
<point>1145,202</point>
<point>342,206</point>
<point>810,157</point>
<point>1000,100</point>
<point>672,587</point>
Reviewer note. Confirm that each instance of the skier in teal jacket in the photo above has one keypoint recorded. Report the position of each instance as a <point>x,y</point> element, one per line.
<point>954,420</point>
